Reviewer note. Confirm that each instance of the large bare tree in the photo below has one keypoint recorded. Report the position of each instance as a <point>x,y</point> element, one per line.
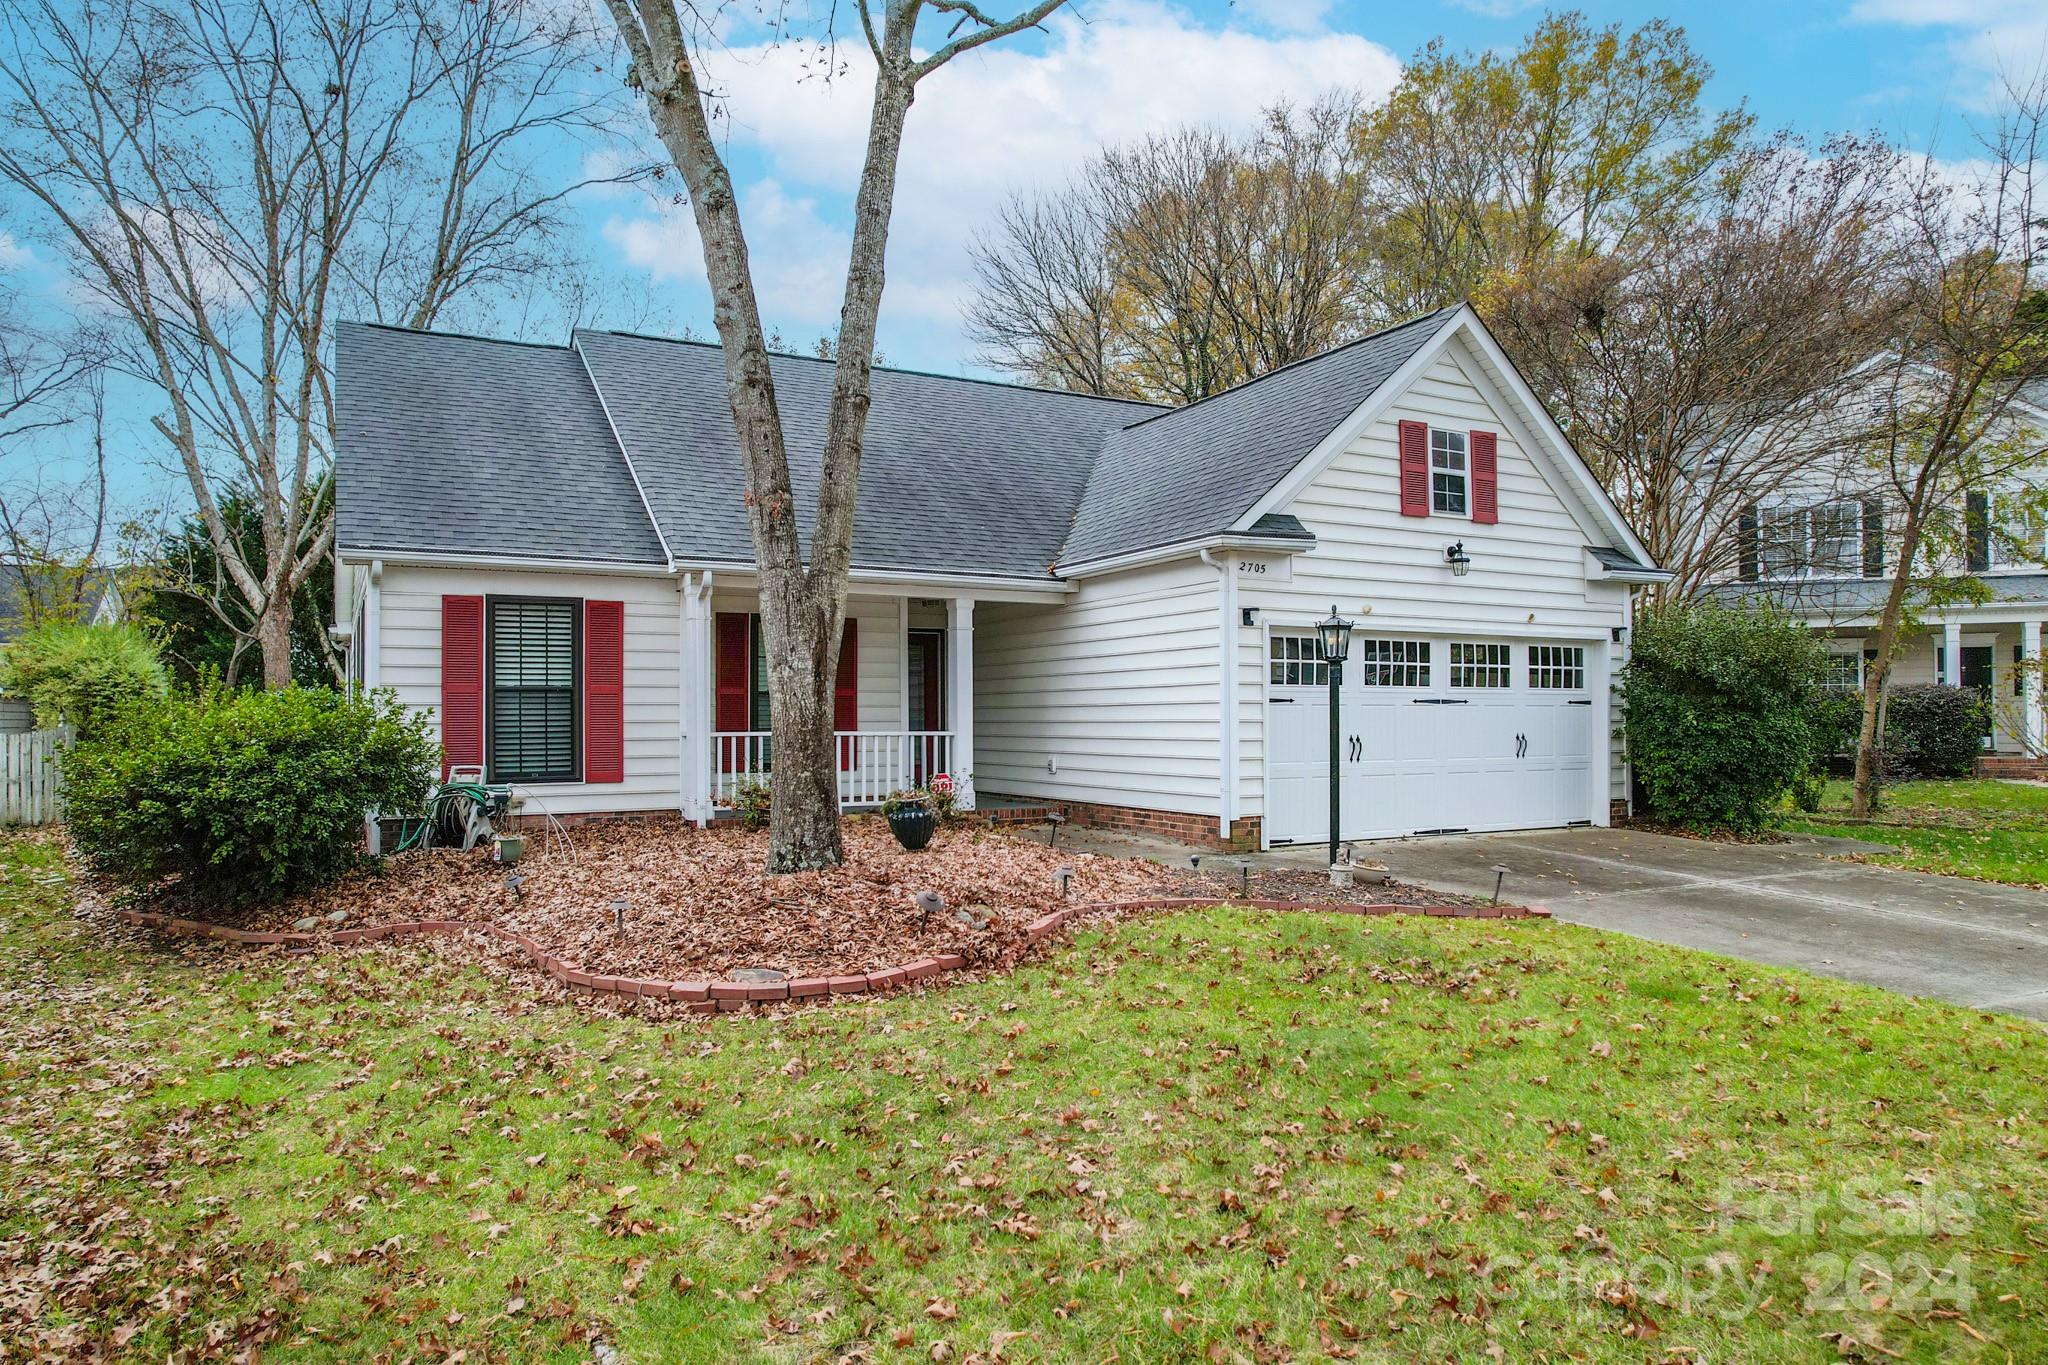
<point>1973,336</point>
<point>1184,263</point>
<point>1700,369</point>
<point>803,599</point>
<point>227,178</point>
<point>54,508</point>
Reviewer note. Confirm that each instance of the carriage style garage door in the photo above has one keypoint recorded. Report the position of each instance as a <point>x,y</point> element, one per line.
<point>1439,734</point>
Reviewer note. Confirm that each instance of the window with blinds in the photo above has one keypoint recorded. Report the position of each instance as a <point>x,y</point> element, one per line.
<point>533,655</point>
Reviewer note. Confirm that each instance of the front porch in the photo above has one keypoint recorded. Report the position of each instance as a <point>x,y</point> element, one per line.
<point>1997,653</point>
<point>904,697</point>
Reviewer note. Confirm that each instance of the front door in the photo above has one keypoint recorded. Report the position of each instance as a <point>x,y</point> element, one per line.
<point>1977,677</point>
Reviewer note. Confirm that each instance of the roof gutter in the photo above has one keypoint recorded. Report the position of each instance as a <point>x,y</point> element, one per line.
<point>451,560</point>
<point>1183,549</point>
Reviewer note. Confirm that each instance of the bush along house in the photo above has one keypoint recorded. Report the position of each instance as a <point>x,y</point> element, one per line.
<point>1093,605</point>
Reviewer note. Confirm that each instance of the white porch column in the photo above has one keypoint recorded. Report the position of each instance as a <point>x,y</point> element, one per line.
<point>960,695</point>
<point>2033,728</point>
<point>1952,653</point>
<point>693,700</point>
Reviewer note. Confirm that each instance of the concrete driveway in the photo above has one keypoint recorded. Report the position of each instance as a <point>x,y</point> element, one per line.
<point>1788,904</point>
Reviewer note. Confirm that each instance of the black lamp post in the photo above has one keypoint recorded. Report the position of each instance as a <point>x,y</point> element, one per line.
<point>1333,638</point>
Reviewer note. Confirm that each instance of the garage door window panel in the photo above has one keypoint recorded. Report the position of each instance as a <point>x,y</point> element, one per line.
<point>1557,667</point>
<point>1476,664</point>
<point>1392,663</point>
<point>1296,661</point>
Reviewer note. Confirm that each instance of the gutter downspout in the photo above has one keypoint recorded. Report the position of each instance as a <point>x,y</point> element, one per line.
<point>1227,668</point>
<point>693,697</point>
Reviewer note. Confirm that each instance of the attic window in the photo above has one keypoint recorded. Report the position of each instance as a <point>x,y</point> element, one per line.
<point>1447,472</point>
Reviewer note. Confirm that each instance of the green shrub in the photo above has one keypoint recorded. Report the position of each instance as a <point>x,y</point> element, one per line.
<point>1718,705</point>
<point>82,674</point>
<point>244,796</point>
<point>1934,731</point>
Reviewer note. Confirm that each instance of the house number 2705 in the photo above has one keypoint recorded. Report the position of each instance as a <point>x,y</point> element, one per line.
<point>1251,566</point>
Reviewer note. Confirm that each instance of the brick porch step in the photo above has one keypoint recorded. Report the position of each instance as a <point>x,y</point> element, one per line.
<point>2013,765</point>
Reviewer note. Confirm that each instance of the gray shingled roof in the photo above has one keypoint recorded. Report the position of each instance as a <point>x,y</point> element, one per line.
<point>484,447</point>
<point>957,475</point>
<point>1850,598</point>
<point>458,444</point>
<point>1197,470</point>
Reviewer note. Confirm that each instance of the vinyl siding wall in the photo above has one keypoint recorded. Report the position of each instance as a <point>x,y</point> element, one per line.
<point>1117,688</point>
<point>1387,571</point>
<point>411,664</point>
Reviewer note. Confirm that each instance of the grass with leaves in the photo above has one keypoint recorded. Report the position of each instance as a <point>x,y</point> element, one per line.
<point>1216,1136</point>
<point>1990,830</point>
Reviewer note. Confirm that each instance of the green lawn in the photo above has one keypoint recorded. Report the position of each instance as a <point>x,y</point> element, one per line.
<point>1996,831</point>
<point>1220,1136</point>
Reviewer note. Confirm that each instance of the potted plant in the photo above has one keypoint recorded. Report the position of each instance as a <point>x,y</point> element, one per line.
<point>911,818</point>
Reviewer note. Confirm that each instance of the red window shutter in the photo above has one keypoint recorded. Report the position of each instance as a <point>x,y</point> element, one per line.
<point>1414,469</point>
<point>846,697</point>
<point>462,683</point>
<point>604,691</point>
<point>1485,478</point>
<point>729,690</point>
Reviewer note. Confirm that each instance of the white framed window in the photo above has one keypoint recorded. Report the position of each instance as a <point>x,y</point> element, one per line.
<point>1392,663</point>
<point>1838,539</point>
<point>1448,475</point>
<point>1822,539</point>
<point>1844,671</point>
<point>1553,667</point>
<point>1296,661</point>
<point>2022,539</point>
<point>1478,664</point>
<point>1781,542</point>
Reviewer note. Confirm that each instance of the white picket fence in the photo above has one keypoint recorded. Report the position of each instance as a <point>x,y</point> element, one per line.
<point>29,793</point>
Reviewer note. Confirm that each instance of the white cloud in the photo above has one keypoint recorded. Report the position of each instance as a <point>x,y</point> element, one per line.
<point>13,255</point>
<point>1992,39</point>
<point>1496,9</point>
<point>1011,116</point>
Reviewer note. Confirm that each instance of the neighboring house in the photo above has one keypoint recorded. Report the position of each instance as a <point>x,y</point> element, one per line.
<point>1063,600</point>
<point>100,589</point>
<point>1824,547</point>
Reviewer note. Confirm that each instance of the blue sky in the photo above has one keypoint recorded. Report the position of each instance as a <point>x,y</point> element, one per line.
<point>1024,113</point>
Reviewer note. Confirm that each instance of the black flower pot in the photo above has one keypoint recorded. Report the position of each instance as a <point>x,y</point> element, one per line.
<point>913,826</point>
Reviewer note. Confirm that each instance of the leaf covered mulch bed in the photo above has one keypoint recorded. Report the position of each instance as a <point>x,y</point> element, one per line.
<point>671,902</point>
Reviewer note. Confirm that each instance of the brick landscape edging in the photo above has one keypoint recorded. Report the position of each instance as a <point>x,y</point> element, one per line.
<point>726,997</point>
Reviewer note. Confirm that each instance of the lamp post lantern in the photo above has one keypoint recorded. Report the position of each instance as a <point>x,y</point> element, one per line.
<point>1333,639</point>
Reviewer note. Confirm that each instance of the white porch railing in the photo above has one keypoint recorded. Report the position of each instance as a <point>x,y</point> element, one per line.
<point>872,763</point>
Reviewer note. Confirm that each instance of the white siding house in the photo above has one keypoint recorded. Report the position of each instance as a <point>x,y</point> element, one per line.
<point>1062,601</point>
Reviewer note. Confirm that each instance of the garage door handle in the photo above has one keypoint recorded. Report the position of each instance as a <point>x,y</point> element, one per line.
<point>1521,746</point>
<point>1357,749</point>
<point>1441,701</point>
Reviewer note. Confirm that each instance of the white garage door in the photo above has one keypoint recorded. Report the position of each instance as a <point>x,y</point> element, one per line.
<point>1438,734</point>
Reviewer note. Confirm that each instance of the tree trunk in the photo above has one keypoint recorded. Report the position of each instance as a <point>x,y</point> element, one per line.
<point>274,637</point>
<point>803,820</point>
<point>1868,779</point>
